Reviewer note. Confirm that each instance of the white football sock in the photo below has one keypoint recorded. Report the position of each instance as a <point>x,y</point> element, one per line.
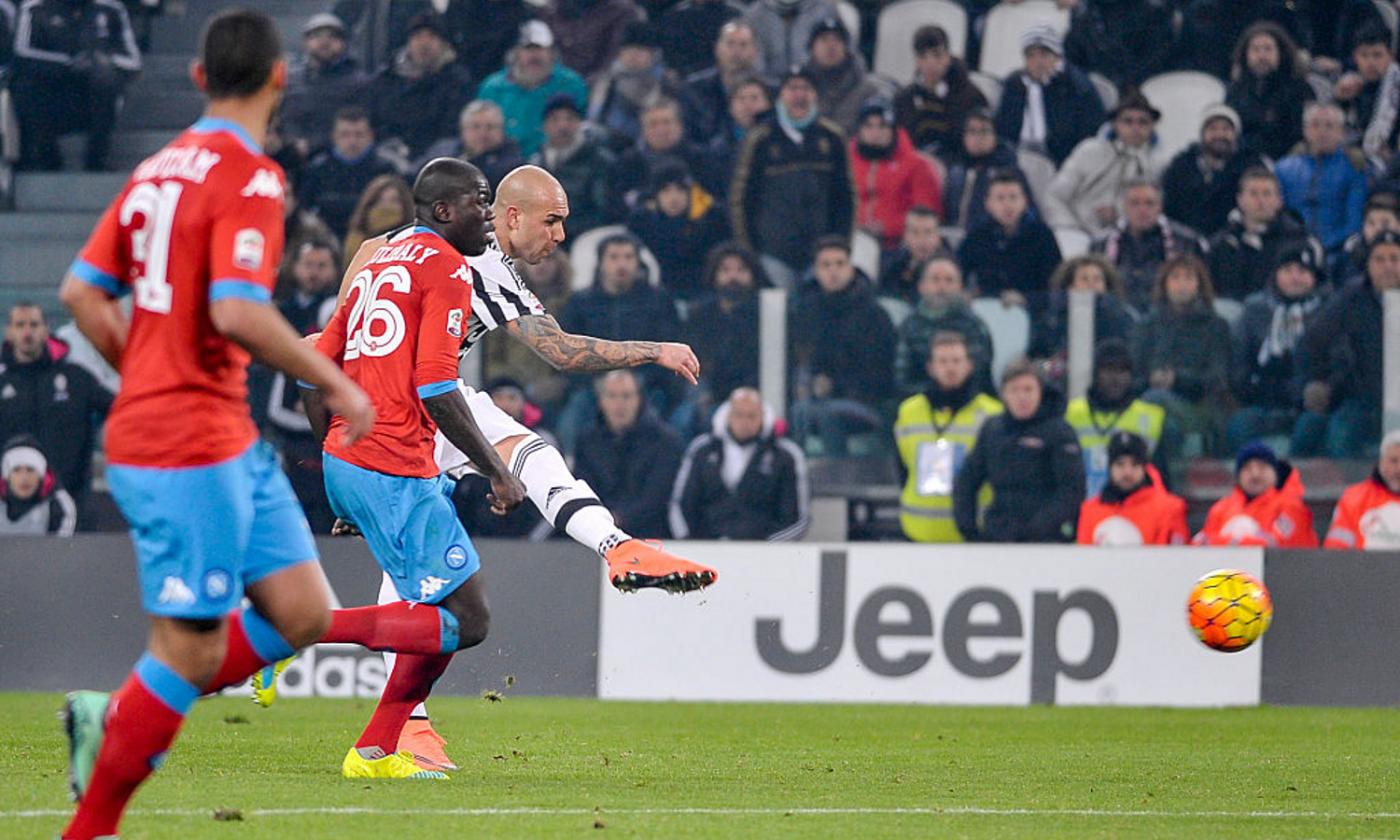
<point>564,501</point>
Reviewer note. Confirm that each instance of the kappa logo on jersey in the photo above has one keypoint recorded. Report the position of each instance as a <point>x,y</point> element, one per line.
<point>174,591</point>
<point>454,323</point>
<point>264,184</point>
<point>248,245</point>
<point>430,586</point>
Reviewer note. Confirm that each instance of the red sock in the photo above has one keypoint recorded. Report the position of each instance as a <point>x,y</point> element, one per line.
<point>409,684</point>
<point>140,728</point>
<point>402,627</point>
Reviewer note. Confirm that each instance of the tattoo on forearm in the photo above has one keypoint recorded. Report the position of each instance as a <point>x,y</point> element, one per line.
<point>566,351</point>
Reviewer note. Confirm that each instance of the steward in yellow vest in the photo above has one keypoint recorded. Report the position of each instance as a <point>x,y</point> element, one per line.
<point>1108,407</point>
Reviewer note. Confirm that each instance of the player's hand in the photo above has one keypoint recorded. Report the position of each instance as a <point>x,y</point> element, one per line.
<point>354,405</point>
<point>344,528</point>
<point>681,359</point>
<point>507,492</point>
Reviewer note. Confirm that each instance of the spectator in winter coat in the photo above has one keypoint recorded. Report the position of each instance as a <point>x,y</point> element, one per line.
<point>792,184</point>
<point>1013,253</point>
<point>840,76</point>
<point>44,395</point>
<point>581,162</point>
<point>686,31</point>
<point>628,457</point>
<point>1133,508</point>
<point>589,32</point>
<point>723,325</point>
<point>416,99</point>
<point>332,183</point>
<point>942,309</point>
<point>1371,93</point>
<point>1265,508</point>
<point>481,141</point>
<point>784,29</point>
<point>748,103</point>
<point>636,78</point>
<point>483,31</point>
<point>1088,189</point>
<point>680,223</point>
<point>1142,239</point>
<point>1268,90</point>
<point>35,503</point>
<point>1382,212</point>
<point>1182,348</point>
<point>1325,182</point>
<point>933,107</point>
<point>1030,457</point>
<point>1259,229</point>
<point>531,77</point>
<point>1050,326</point>
<point>1368,514</point>
<point>385,205</point>
<point>662,141</point>
<point>1126,41</point>
<point>1049,106</point>
<point>1267,374</point>
<point>1212,29</point>
<point>1342,399</point>
<point>969,167</point>
<point>1200,184</point>
<point>890,176</point>
<point>901,268</point>
<point>709,91</point>
<point>741,481</point>
<point>325,80</point>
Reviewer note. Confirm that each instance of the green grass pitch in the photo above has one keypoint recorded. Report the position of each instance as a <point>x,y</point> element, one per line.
<point>573,768</point>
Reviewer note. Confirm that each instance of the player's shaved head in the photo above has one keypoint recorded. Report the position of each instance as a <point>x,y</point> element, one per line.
<point>444,179</point>
<point>529,187</point>
<point>534,207</point>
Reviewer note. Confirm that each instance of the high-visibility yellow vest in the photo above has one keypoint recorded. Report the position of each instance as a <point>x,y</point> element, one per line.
<point>933,446</point>
<point>1094,428</point>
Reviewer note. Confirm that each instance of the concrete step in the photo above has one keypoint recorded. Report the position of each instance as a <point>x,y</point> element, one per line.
<point>38,263</point>
<point>154,106</point>
<point>128,148</point>
<point>66,191</point>
<point>23,227</point>
<point>175,34</point>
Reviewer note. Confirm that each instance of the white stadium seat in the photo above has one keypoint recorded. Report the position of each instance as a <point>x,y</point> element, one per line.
<point>991,88</point>
<point>1010,328</point>
<point>1181,97</point>
<point>865,254</point>
<point>1108,92</point>
<point>583,257</point>
<point>850,16</point>
<point>898,310</point>
<point>1073,242</point>
<point>895,28</point>
<point>1039,171</point>
<point>1001,36</point>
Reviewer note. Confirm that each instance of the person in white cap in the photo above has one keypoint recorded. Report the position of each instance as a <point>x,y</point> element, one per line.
<point>1048,106</point>
<point>531,77</point>
<point>31,500</point>
<point>325,79</point>
<point>1200,183</point>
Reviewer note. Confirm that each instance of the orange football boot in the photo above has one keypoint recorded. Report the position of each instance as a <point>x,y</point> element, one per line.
<point>636,564</point>
<point>429,749</point>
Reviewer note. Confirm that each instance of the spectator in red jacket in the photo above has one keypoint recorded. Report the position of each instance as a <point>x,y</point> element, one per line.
<point>1265,508</point>
<point>1368,514</point>
<point>1134,508</point>
<point>891,176</point>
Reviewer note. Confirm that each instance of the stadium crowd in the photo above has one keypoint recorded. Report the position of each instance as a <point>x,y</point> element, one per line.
<point>720,149</point>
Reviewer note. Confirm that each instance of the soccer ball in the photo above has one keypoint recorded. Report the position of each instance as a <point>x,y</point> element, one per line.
<point>1229,610</point>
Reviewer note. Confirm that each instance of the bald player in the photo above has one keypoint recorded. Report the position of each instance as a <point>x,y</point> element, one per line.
<point>530,210</point>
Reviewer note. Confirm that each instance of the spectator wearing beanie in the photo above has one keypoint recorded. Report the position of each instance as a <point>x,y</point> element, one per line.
<point>580,161</point>
<point>637,77</point>
<point>840,76</point>
<point>1267,375</point>
<point>891,177</point>
<point>1110,406</point>
<point>1199,185</point>
<point>931,109</point>
<point>680,222</point>
<point>1133,508</point>
<point>1265,508</point>
<point>1049,105</point>
<point>34,502</point>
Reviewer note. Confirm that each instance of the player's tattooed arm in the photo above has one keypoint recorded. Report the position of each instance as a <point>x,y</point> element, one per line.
<point>585,354</point>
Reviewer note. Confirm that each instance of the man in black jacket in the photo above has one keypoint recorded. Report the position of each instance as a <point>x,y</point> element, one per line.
<point>325,80</point>
<point>416,100</point>
<point>1050,105</point>
<point>629,458</point>
<point>42,395</point>
<point>741,482</point>
<point>792,183</point>
<point>1031,458</point>
<point>1200,183</point>
<point>332,182</point>
<point>1260,229</point>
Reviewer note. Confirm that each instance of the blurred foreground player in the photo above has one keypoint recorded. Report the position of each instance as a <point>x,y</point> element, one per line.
<point>197,235</point>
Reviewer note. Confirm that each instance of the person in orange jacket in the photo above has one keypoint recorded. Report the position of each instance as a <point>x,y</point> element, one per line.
<point>1368,514</point>
<point>1134,508</point>
<point>1265,508</point>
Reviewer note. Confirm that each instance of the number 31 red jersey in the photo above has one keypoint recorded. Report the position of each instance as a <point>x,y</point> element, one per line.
<point>199,221</point>
<point>397,335</point>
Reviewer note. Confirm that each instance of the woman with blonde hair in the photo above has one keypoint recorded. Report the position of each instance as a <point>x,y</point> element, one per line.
<point>386,203</point>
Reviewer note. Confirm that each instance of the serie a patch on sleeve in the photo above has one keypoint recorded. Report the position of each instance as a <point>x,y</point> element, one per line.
<point>248,246</point>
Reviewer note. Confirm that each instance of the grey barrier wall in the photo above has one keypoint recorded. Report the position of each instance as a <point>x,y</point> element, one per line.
<point>1335,640</point>
<point>70,617</point>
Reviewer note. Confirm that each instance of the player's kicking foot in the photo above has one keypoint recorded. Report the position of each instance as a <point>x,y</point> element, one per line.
<point>397,765</point>
<point>429,749</point>
<point>265,682</point>
<point>84,714</point>
<point>635,564</point>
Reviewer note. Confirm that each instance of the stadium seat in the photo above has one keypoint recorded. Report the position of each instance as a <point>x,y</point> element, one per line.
<point>1001,35</point>
<point>1181,97</point>
<point>894,33</point>
<point>780,275</point>
<point>583,256</point>
<point>1039,171</point>
<point>850,16</point>
<point>952,236</point>
<point>1010,328</point>
<point>897,309</point>
<point>865,253</point>
<point>1390,15</point>
<point>1108,92</point>
<point>1229,309</point>
<point>1073,242</point>
<point>991,88</point>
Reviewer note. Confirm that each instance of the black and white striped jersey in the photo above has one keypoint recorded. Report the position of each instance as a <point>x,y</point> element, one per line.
<point>499,295</point>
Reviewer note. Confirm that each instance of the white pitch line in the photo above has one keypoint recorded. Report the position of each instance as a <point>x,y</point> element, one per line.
<point>561,812</point>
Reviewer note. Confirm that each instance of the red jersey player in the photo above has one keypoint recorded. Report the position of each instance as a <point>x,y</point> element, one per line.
<point>197,235</point>
<point>397,336</point>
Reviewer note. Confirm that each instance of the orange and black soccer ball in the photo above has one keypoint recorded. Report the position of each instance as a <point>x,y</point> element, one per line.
<point>1229,610</point>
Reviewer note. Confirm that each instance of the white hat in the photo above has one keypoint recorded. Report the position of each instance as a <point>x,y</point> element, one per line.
<point>23,456</point>
<point>1045,36</point>
<point>535,33</point>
